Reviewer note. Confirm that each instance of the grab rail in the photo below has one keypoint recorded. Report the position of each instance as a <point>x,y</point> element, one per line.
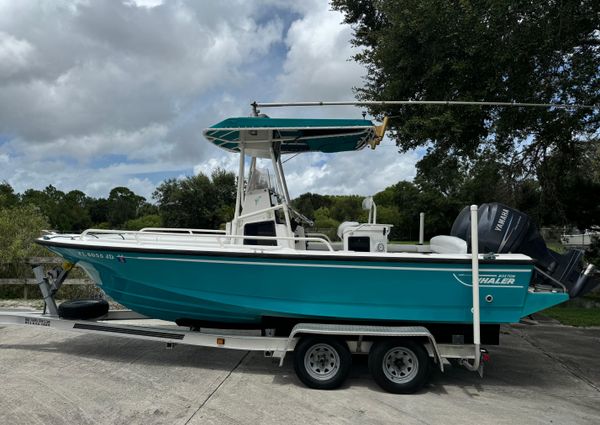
<point>283,238</point>
<point>218,237</point>
<point>171,230</point>
<point>361,226</point>
<point>552,279</point>
<point>264,210</point>
<point>108,232</point>
<point>318,235</point>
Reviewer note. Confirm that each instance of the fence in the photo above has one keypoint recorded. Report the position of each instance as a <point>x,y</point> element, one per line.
<point>28,282</point>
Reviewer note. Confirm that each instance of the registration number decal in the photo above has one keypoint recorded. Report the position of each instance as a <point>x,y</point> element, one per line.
<point>98,255</point>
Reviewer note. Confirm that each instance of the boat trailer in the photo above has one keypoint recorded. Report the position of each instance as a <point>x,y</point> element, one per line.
<point>399,356</point>
<point>360,339</point>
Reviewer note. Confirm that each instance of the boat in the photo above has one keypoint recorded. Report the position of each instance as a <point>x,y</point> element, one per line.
<point>581,240</point>
<point>265,269</point>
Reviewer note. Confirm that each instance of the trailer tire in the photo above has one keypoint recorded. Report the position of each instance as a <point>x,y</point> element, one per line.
<point>83,309</point>
<point>399,366</point>
<point>322,363</point>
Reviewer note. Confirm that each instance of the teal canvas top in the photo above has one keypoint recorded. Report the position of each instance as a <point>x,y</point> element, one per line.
<point>294,134</point>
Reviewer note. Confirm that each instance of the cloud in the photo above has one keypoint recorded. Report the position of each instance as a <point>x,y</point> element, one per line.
<point>104,93</point>
<point>228,163</point>
<point>80,80</point>
<point>138,144</point>
<point>105,65</point>
<point>14,55</point>
<point>318,65</point>
<point>145,3</point>
<point>365,172</point>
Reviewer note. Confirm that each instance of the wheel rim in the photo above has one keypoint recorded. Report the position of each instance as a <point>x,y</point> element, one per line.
<point>400,365</point>
<point>322,362</point>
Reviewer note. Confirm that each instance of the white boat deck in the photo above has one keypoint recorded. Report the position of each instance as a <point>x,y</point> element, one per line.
<point>222,243</point>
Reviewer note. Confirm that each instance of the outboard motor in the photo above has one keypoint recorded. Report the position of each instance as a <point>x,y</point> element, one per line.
<point>503,229</point>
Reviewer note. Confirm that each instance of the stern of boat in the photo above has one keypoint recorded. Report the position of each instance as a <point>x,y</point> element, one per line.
<point>541,298</point>
<point>538,301</point>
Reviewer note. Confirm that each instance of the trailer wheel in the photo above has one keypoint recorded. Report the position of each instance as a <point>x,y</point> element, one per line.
<point>83,309</point>
<point>322,363</point>
<point>399,366</point>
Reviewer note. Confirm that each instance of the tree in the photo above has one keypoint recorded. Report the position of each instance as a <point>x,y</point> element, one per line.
<point>19,226</point>
<point>98,210</point>
<point>8,197</point>
<point>65,212</point>
<point>197,201</point>
<point>123,205</point>
<point>151,220</point>
<point>398,205</point>
<point>391,215</point>
<point>49,201</point>
<point>75,211</point>
<point>348,207</point>
<point>574,195</point>
<point>494,50</point>
<point>325,223</point>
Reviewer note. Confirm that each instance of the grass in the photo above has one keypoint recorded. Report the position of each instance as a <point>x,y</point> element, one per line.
<point>594,295</point>
<point>556,246</point>
<point>574,316</point>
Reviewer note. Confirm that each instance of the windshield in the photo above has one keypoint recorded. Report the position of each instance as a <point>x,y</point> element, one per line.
<point>258,180</point>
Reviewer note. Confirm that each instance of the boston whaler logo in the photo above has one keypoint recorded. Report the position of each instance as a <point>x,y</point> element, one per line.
<point>501,220</point>
<point>488,279</point>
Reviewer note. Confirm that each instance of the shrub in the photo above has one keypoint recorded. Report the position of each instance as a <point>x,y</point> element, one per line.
<point>152,220</point>
<point>19,226</point>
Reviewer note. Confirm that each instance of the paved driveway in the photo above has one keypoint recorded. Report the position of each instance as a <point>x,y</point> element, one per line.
<point>540,374</point>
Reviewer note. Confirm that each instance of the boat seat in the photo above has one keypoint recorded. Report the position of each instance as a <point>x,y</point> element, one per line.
<point>344,226</point>
<point>448,245</point>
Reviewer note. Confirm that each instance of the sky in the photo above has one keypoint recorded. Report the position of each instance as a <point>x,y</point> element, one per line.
<point>96,94</point>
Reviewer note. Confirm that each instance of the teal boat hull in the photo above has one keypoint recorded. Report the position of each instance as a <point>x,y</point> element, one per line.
<point>244,289</point>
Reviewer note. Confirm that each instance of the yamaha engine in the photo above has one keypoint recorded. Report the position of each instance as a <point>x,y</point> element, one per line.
<point>503,229</point>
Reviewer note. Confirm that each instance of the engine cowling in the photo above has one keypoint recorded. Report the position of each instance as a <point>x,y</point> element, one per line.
<point>503,229</point>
